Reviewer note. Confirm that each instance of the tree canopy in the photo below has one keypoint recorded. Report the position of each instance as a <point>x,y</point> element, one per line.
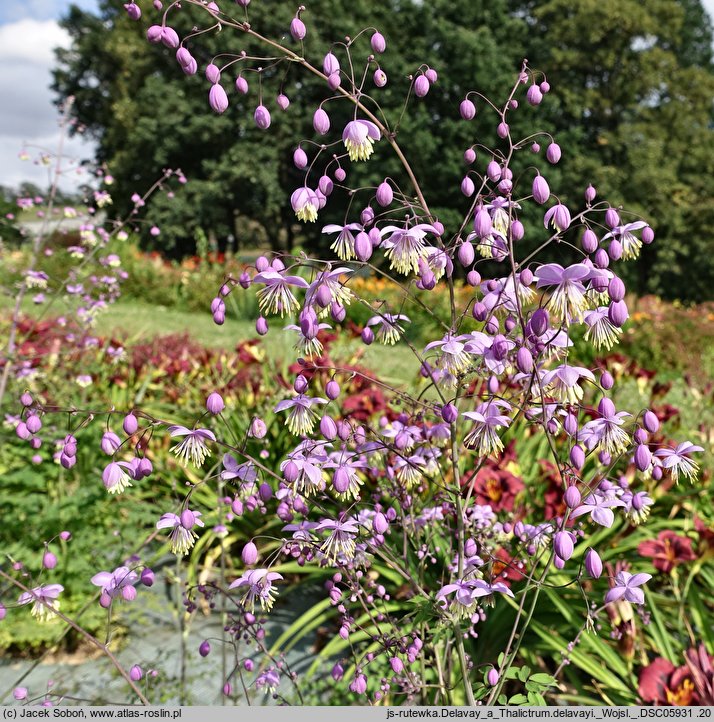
<point>631,106</point>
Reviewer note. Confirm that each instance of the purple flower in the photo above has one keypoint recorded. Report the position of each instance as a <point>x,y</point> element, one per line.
<point>677,461</point>
<point>277,297</point>
<point>344,244</point>
<point>340,541</point>
<point>194,444</point>
<point>257,584</point>
<point>558,216</point>
<point>405,246</point>
<point>626,587</point>
<point>270,679</point>
<point>631,245</point>
<point>602,332</point>
<point>182,535</point>
<point>606,432</point>
<point>563,382</point>
<point>116,476</point>
<point>301,418</point>
<point>454,355</point>
<point>599,507</point>
<point>306,202</point>
<point>358,137</point>
<point>389,331</point>
<point>567,300</point>
<point>114,583</point>
<point>487,419</point>
<point>246,472</point>
<point>43,600</point>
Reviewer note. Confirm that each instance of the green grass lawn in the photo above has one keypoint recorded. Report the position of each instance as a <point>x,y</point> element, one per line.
<point>135,322</point>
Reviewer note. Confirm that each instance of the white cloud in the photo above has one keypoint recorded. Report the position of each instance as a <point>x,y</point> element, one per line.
<point>29,115</point>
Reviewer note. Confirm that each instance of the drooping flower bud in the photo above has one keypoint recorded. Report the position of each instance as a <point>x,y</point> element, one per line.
<point>617,313</point>
<point>449,413</point>
<point>590,194</point>
<point>300,160</point>
<point>363,247</point>
<point>217,98</point>
<point>213,73</point>
<point>330,64</point>
<point>130,424</point>
<point>367,336</point>
<point>577,456</point>
<point>524,360</point>
<point>328,427</point>
<point>502,130</point>
<point>541,190</point>
<point>153,33</point>
<point>379,523</point>
<point>262,117</point>
<point>249,555</point>
<point>466,254</point>
<point>136,673</point>
<point>332,389</point>
<point>33,423</point>
<point>534,95</point>
<point>572,497</point>
<point>431,75</point>
<point>204,648</point>
<point>147,577</point>
<point>169,37</point>
<point>384,195</point>
<point>321,121</point>
<point>378,43</point>
<point>493,677</point>
<point>589,241</point>
<point>540,321</point>
<point>593,564</point>
<point>482,223</point>
<point>552,153</point>
<point>297,29</point>
<point>650,421</point>
<point>379,78</point>
<point>612,218</point>
<point>467,187</point>
<point>132,10</point>
<point>283,101</point>
<point>614,250</point>
<point>616,289</point>
<point>49,560</point>
<point>469,156</point>
<point>647,235</point>
<point>300,384</point>
<point>643,457</point>
<point>467,109</point>
<point>261,326</point>
<point>215,403</point>
<point>421,86</point>
<point>241,85</point>
<point>563,545</point>
<point>334,80</point>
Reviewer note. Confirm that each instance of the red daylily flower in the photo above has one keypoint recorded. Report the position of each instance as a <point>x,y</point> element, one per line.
<point>667,551</point>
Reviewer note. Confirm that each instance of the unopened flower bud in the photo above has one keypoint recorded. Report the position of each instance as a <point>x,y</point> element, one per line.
<point>612,218</point>
<point>572,497</point>
<point>217,98</point>
<point>188,519</point>
<point>541,190</point>
<point>449,413</point>
<point>590,194</point>
<point>385,195</point>
<point>328,427</point>
<point>563,545</point>
<point>261,326</point>
<point>49,560</point>
<point>136,673</point>
<point>524,360</point>
<point>493,677</point>
<point>367,336</point>
<point>467,109</point>
<point>321,121</point>
<point>297,29</point>
<point>215,403</point>
<point>147,577</point>
<point>552,153</point>
<point>204,648</point>
<point>421,86</point>
<point>130,424</point>
<point>469,156</point>
<point>534,95</point>
<point>647,235</point>
<point>643,457</point>
<point>589,241</point>
<point>617,313</point>
<point>363,247</point>
<point>33,423</point>
<point>249,555</point>
<point>262,117</point>
<point>241,85</point>
<point>379,78</point>
<point>332,389</point>
<point>213,73</point>
<point>650,422</point>
<point>593,564</point>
